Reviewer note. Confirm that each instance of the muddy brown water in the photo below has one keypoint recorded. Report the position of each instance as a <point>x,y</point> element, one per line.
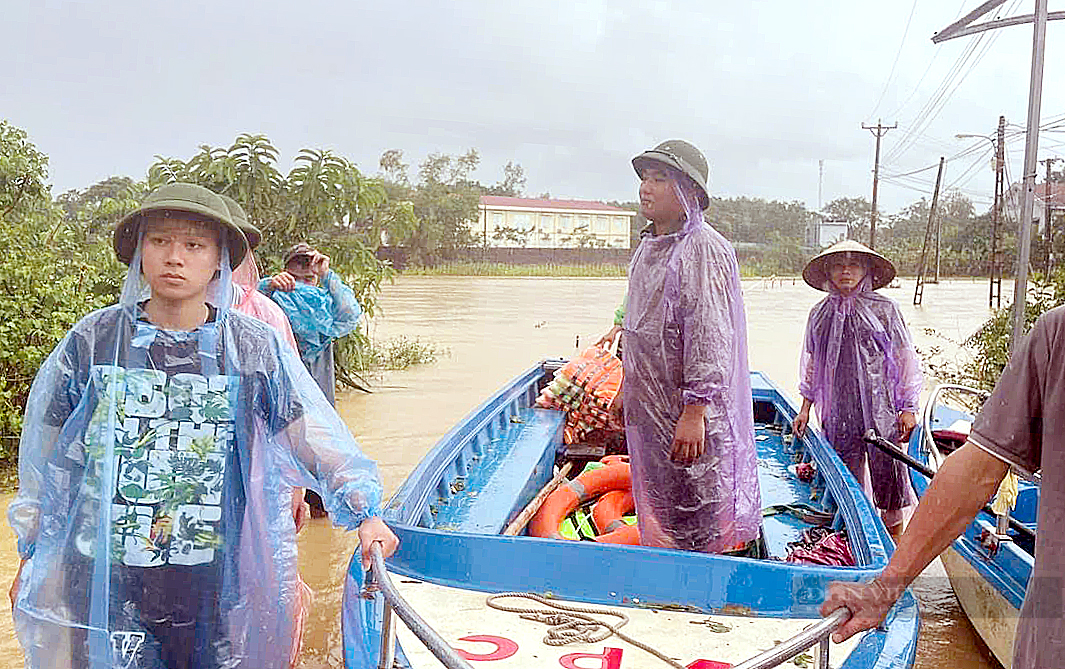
<point>494,328</point>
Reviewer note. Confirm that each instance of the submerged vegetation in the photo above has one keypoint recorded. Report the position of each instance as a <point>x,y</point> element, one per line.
<point>400,353</point>
<point>359,357</point>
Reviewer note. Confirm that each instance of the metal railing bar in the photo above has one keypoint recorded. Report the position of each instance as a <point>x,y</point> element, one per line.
<point>400,607</point>
<point>926,419</point>
<point>811,636</point>
<point>388,639</point>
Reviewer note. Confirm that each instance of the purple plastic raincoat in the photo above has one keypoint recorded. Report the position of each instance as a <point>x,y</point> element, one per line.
<point>860,369</point>
<point>686,343</point>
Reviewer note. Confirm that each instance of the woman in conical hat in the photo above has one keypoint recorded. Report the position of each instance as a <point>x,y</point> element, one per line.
<point>860,369</point>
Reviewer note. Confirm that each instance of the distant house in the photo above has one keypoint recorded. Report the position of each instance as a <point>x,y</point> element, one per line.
<point>823,230</point>
<point>1056,193</point>
<point>517,222</point>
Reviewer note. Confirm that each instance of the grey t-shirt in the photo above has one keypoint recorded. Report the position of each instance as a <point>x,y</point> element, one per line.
<point>1023,422</point>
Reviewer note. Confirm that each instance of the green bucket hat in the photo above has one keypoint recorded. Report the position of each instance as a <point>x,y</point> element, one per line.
<point>681,156</point>
<point>816,272</point>
<point>184,197</point>
<point>236,212</point>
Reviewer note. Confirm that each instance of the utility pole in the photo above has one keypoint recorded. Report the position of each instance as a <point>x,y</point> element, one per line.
<point>1038,19</point>
<point>994,299</point>
<point>1031,147</point>
<point>879,131</point>
<point>939,235</point>
<point>918,291</point>
<point>820,182</point>
<point>1049,229</point>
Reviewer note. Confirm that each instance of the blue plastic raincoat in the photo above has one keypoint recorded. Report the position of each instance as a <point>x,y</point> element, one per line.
<point>685,335</point>
<point>150,506</point>
<point>318,315</point>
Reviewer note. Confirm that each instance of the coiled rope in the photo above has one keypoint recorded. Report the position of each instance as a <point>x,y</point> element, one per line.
<point>574,624</point>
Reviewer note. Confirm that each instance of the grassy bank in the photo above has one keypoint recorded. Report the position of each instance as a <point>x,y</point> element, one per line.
<point>503,269</point>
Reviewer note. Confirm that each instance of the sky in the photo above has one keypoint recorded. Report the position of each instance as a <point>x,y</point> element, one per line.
<point>570,90</point>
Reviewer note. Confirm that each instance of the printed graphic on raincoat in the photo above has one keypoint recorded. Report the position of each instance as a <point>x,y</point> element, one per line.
<point>686,343</point>
<point>152,466</point>
<point>860,369</point>
<point>318,315</point>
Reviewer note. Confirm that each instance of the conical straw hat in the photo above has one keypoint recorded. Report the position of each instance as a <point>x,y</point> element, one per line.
<point>881,270</point>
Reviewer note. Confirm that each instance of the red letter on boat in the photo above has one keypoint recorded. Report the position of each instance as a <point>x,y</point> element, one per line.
<point>504,648</point>
<point>709,664</point>
<point>610,659</point>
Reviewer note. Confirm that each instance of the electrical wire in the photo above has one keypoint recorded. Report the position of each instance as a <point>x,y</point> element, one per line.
<point>902,42</point>
<point>973,52</point>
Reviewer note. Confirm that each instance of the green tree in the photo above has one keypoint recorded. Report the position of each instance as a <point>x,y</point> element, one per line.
<point>24,195</point>
<point>324,200</point>
<point>857,211</point>
<point>513,183</point>
<point>444,202</point>
<point>96,210</point>
<point>49,276</point>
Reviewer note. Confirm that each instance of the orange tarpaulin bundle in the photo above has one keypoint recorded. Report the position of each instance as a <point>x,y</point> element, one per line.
<point>585,388</point>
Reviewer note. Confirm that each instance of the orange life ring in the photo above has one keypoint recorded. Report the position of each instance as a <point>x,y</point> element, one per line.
<point>610,508</point>
<point>571,494</point>
<point>626,534</point>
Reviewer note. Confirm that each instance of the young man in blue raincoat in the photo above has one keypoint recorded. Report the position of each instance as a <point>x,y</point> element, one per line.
<point>158,439</point>
<point>687,393</point>
<point>320,307</point>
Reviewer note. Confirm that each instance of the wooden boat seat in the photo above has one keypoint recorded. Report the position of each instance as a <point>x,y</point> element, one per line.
<point>518,476</point>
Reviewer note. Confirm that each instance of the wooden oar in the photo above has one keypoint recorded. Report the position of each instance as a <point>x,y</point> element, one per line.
<point>871,437</point>
<point>523,518</point>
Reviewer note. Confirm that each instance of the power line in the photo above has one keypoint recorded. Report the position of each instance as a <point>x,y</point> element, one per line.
<point>906,174</point>
<point>951,82</point>
<point>898,53</point>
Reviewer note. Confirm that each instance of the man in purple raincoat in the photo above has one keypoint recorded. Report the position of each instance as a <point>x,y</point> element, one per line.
<point>687,401</point>
<point>860,369</point>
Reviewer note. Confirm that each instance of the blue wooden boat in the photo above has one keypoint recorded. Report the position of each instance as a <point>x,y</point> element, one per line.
<point>704,611</point>
<point>990,563</point>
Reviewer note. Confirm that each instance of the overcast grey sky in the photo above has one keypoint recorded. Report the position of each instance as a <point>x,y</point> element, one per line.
<point>571,90</point>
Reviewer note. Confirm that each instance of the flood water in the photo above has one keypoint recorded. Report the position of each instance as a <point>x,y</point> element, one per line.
<point>491,329</point>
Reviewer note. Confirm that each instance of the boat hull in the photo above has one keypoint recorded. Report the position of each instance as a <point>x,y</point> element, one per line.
<point>992,615</point>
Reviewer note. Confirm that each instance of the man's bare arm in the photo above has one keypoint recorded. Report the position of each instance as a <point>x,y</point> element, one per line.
<point>961,487</point>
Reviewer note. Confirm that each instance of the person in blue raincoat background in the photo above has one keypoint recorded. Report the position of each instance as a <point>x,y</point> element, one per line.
<point>157,439</point>
<point>320,307</point>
